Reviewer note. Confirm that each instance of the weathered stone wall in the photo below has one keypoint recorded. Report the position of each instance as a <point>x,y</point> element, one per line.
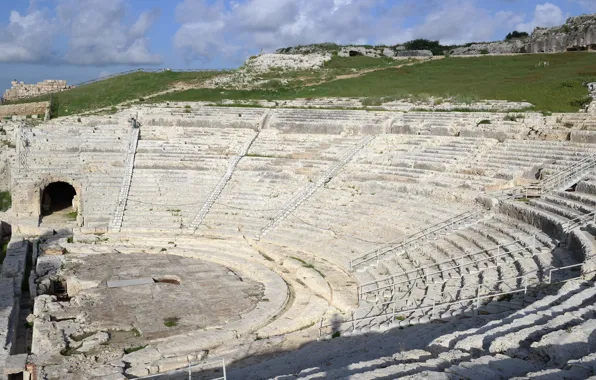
<point>24,109</point>
<point>20,90</point>
<point>578,33</point>
<point>11,280</point>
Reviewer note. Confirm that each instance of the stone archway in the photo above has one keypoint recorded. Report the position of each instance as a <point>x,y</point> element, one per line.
<point>59,198</point>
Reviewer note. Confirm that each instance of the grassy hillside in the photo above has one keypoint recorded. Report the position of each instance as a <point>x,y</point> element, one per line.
<point>111,92</point>
<point>556,88</point>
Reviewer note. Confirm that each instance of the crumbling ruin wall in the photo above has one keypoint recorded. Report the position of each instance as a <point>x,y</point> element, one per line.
<point>24,109</point>
<point>21,90</point>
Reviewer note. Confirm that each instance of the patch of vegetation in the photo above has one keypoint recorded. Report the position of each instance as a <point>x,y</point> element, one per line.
<point>171,321</point>
<point>70,350</point>
<point>485,121</point>
<point>113,91</point>
<point>568,124</point>
<point>515,35</point>
<point>484,51</point>
<point>136,332</point>
<point>72,215</point>
<point>7,144</point>
<point>28,325</point>
<point>5,201</point>
<point>506,297</point>
<point>308,265</point>
<point>70,239</point>
<point>400,318</point>
<point>266,257</point>
<point>81,337</point>
<point>336,334</point>
<point>512,78</point>
<point>434,46</point>
<point>133,349</point>
<point>328,47</point>
<point>581,102</point>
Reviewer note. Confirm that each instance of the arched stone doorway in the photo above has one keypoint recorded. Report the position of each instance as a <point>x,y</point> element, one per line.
<point>59,198</point>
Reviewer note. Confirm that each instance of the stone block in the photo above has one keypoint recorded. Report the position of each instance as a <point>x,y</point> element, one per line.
<point>133,282</point>
<point>15,364</point>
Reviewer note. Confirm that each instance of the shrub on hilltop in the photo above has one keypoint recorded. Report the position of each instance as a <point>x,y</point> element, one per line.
<point>515,34</point>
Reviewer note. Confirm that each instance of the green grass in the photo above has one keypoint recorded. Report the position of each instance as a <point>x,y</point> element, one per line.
<point>133,349</point>
<point>171,321</point>
<point>72,215</point>
<point>556,88</point>
<point>110,92</point>
<point>5,201</point>
<point>3,249</point>
<point>360,63</point>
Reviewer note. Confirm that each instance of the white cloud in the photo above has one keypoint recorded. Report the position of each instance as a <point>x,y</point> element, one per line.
<point>270,24</point>
<point>96,33</point>
<point>233,29</point>
<point>462,21</point>
<point>26,37</point>
<point>545,15</point>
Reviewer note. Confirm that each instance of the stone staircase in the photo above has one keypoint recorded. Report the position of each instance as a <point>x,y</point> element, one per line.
<point>449,225</point>
<point>198,219</point>
<point>116,223</point>
<point>309,190</point>
<point>548,339</point>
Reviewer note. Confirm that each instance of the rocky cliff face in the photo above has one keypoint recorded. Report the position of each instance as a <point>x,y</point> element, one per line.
<point>578,33</point>
<point>499,47</point>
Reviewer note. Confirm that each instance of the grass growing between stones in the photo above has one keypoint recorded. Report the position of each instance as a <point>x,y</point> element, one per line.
<point>3,249</point>
<point>133,349</point>
<point>556,88</point>
<point>5,201</point>
<point>113,91</point>
<point>171,321</point>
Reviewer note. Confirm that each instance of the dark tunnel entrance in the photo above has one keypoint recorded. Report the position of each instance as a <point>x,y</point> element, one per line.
<point>57,197</point>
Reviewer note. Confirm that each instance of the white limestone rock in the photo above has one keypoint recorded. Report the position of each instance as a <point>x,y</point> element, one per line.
<point>578,33</point>
<point>93,341</point>
<point>564,345</point>
<point>267,62</point>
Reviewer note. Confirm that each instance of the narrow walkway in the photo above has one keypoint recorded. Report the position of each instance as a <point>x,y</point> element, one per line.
<point>309,190</point>
<point>217,190</point>
<point>124,190</point>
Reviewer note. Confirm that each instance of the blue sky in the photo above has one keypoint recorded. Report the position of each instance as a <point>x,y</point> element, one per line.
<point>79,40</point>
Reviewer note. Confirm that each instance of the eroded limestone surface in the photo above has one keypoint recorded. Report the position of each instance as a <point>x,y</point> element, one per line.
<point>97,324</point>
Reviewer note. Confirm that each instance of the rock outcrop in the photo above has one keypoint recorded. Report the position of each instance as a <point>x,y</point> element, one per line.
<point>513,46</point>
<point>578,33</point>
<point>266,62</point>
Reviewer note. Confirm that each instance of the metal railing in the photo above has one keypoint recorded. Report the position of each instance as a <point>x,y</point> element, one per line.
<point>389,310</point>
<point>557,181</point>
<point>190,369</point>
<point>116,223</point>
<point>579,221</point>
<point>457,264</point>
<point>310,189</point>
<point>221,184</point>
<point>449,224</point>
